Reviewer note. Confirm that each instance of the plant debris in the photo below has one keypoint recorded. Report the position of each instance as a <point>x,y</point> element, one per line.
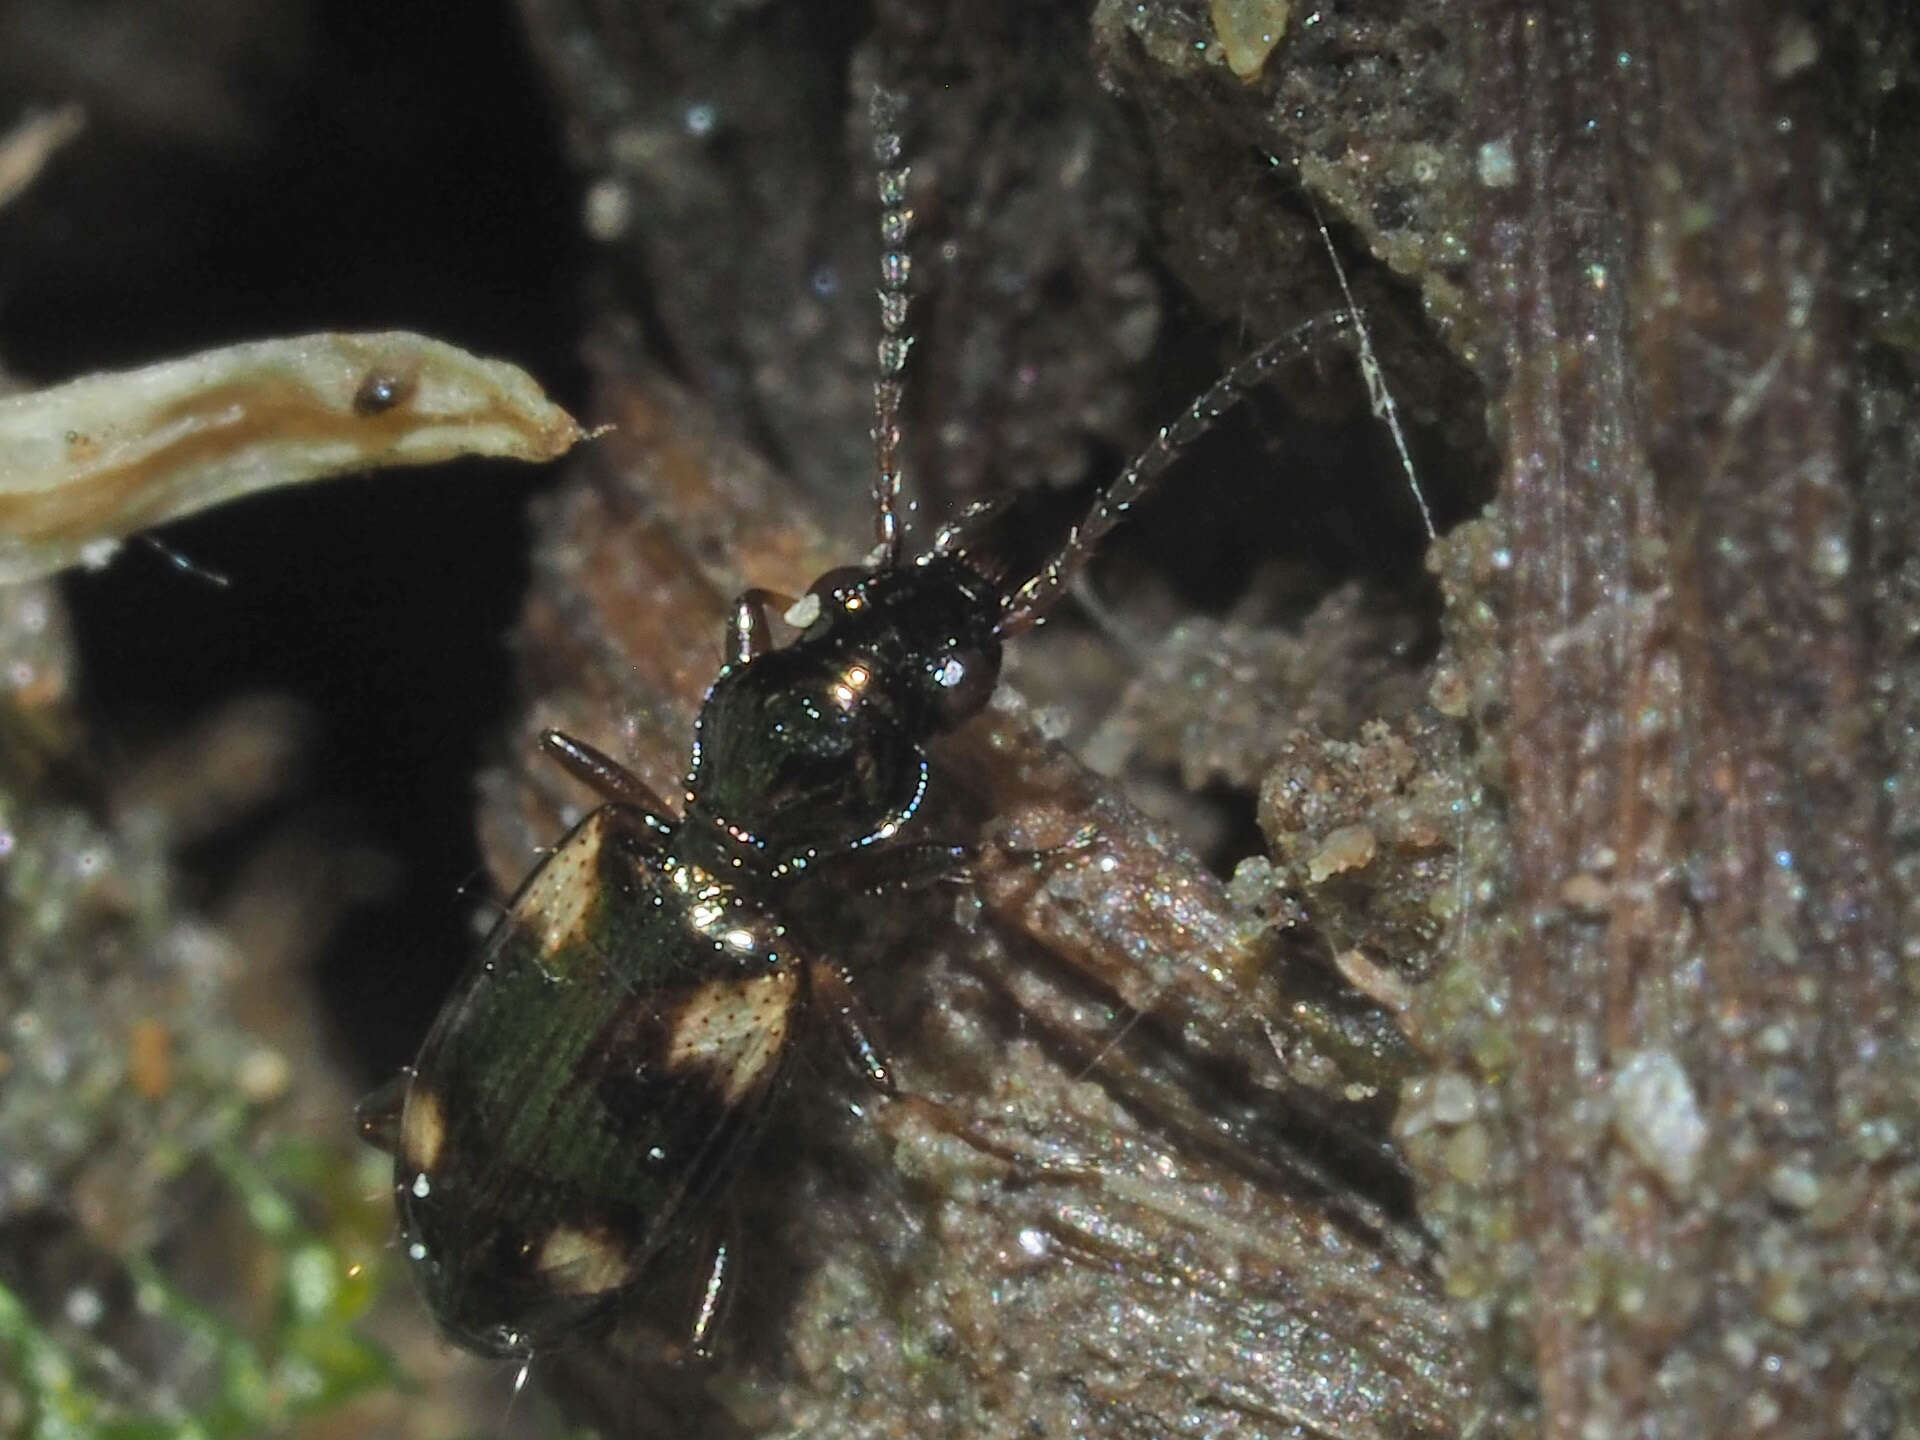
<point>84,464</point>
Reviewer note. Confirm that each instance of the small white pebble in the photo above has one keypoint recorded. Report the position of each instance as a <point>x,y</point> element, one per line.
<point>1495,164</point>
<point>263,1075</point>
<point>1453,1100</point>
<point>1794,1186</point>
<point>84,1308</point>
<point>803,612</point>
<point>1657,1117</point>
<point>608,211</point>
<point>1054,722</point>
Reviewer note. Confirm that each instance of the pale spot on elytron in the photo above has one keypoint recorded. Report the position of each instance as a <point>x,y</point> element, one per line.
<point>423,1129</point>
<point>565,889</point>
<point>583,1262</point>
<point>734,1030</point>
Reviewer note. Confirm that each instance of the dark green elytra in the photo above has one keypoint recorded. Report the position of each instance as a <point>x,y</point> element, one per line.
<point>601,1069</point>
<point>598,1070</point>
<point>603,1065</point>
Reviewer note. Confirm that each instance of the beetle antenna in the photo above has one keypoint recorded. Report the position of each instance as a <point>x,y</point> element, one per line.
<point>896,272</point>
<point>1026,606</point>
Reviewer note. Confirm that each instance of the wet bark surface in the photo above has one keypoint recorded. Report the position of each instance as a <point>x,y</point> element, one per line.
<point>1709,1085</point>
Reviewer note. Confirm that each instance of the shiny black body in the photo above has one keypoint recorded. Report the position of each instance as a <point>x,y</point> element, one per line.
<point>815,749</point>
<point>603,1066</point>
<point>601,1070</point>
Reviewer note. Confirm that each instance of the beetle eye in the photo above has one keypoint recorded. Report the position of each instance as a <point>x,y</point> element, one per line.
<point>962,684</point>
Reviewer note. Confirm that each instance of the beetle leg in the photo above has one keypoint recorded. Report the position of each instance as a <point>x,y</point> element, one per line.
<point>1084,839</point>
<point>905,811</point>
<point>607,776</point>
<point>855,1025</point>
<point>901,868</point>
<point>378,1116</point>
<point>710,1306</point>
<point>748,633</point>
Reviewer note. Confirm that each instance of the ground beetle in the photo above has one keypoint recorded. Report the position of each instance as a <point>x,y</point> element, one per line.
<point>601,1071</point>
